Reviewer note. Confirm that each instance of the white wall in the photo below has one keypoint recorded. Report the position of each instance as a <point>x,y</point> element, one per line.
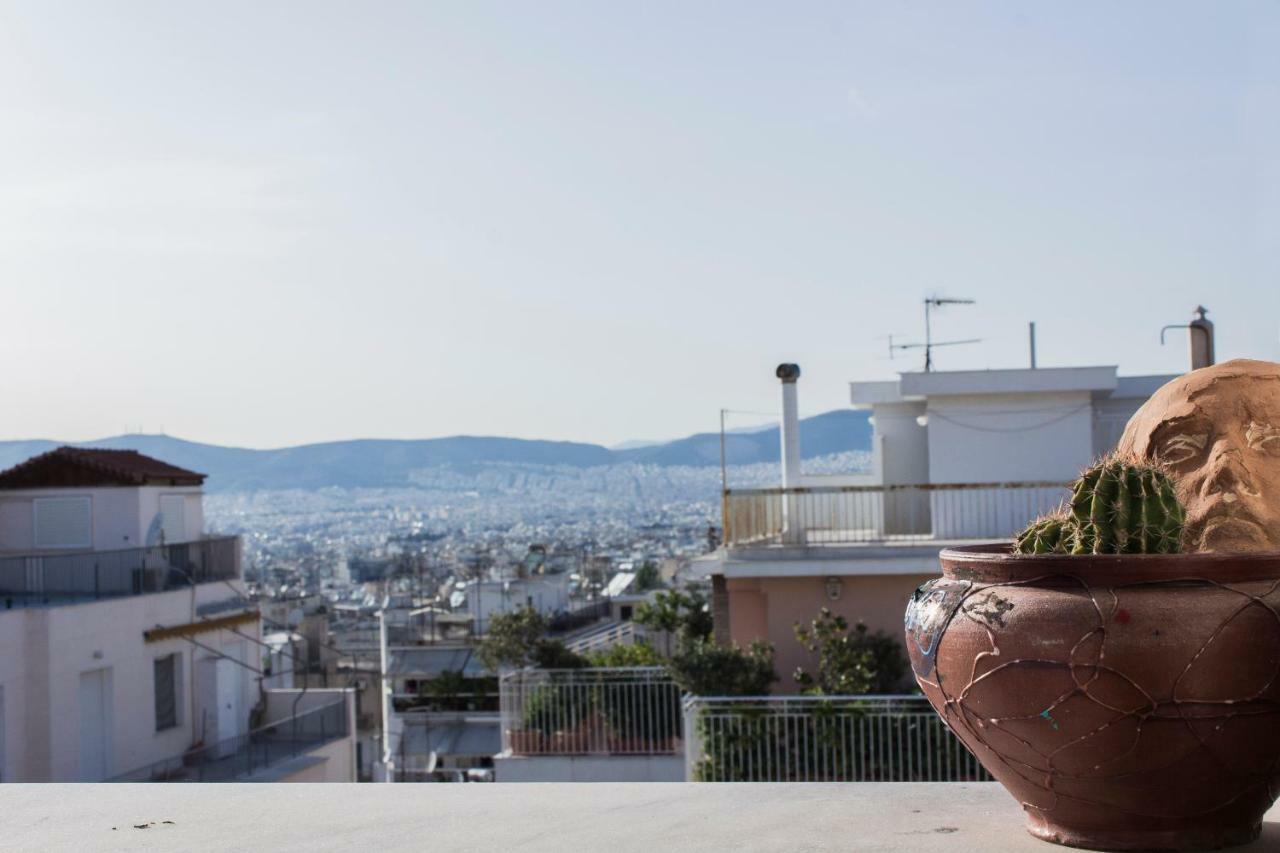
<point>58,644</point>
<point>1010,437</point>
<point>121,516</point>
<point>547,594</point>
<point>13,660</point>
<point>589,768</point>
<point>340,755</point>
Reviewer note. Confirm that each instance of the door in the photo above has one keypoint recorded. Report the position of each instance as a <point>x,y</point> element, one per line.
<point>95,730</point>
<point>222,702</point>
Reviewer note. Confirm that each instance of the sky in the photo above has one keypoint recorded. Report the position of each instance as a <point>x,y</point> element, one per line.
<point>265,224</point>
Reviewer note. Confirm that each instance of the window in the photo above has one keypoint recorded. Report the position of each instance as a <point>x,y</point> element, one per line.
<point>63,522</point>
<point>168,687</point>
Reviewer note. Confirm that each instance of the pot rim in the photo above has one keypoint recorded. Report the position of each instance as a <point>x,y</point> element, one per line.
<point>994,562</point>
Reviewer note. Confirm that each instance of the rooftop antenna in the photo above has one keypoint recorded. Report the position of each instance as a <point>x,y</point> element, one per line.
<point>929,343</point>
<point>931,303</point>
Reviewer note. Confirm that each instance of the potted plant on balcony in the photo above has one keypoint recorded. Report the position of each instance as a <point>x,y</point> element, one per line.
<point>1118,667</point>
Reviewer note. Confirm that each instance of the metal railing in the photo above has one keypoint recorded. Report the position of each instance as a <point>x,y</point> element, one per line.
<point>603,711</point>
<point>39,579</point>
<point>613,634</point>
<point>243,755</point>
<point>822,739</point>
<point>821,515</point>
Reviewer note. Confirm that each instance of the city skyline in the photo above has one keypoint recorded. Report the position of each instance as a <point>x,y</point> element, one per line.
<point>265,227</point>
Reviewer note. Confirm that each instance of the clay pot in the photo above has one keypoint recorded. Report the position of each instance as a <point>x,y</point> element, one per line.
<point>1127,702</point>
<point>527,742</point>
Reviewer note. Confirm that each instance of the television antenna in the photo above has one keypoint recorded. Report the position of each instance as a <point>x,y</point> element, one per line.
<point>931,303</point>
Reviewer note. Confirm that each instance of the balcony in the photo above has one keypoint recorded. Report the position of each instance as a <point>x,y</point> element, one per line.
<point>248,755</point>
<point>38,580</point>
<point>620,724</point>
<point>594,711</point>
<point>883,514</point>
<point>823,739</point>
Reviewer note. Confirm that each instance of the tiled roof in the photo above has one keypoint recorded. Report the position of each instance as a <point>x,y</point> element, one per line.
<point>92,466</point>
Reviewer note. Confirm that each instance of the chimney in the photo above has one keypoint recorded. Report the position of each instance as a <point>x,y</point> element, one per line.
<point>789,373</point>
<point>1200,339</point>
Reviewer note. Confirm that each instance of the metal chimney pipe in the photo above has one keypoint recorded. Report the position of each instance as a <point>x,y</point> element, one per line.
<point>1200,339</point>
<point>1032,329</point>
<point>790,431</point>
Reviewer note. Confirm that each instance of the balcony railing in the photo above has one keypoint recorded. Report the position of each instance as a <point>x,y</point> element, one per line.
<point>827,515</point>
<point>41,579</point>
<point>823,739</point>
<point>244,755</point>
<point>602,711</point>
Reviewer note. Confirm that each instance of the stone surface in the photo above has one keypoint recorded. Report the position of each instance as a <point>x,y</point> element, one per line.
<point>619,818</point>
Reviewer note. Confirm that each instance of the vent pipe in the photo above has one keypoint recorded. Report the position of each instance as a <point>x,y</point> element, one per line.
<point>790,431</point>
<point>1200,339</point>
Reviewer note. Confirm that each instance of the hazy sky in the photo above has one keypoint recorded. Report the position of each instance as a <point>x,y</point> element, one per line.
<point>267,223</point>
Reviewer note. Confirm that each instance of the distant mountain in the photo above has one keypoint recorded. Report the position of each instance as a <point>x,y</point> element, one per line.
<point>388,463</point>
<point>833,432</point>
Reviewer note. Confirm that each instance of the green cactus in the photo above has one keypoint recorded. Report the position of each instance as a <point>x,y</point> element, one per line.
<point>1116,508</point>
<point>1051,534</point>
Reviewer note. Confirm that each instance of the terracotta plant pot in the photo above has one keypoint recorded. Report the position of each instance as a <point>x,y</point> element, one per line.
<point>1127,702</point>
<point>527,742</point>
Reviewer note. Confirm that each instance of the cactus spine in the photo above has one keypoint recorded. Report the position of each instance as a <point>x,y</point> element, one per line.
<point>1116,508</point>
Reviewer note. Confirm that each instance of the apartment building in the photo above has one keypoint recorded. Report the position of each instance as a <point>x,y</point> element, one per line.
<point>131,649</point>
<point>957,457</point>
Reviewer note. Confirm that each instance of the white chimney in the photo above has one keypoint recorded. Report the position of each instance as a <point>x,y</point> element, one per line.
<point>1200,339</point>
<point>789,373</point>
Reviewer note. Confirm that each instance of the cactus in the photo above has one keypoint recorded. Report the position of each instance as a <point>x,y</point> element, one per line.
<point>1051,534</point>
<point>1116,508</point>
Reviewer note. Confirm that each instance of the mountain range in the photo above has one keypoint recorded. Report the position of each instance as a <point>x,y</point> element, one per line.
<point>389,462</point>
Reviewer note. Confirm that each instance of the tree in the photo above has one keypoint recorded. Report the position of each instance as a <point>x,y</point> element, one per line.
<point>634,654</point>
<point>849,662</point>
<point>647,577</point>
<point>705,669</point>
<point>683,614</point>
<point>512,639</point>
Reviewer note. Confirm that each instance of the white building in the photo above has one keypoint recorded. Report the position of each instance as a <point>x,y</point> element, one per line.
<point>957,457</point>
<point>130,647</point>
<point>547,594</point>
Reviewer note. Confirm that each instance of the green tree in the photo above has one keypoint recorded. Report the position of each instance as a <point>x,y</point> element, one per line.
<point>647,577</point>
<point>513,639</point>
<point>706,669</point>
<point>849,662</point>
<point>685,615</point>
<point>636,654</point>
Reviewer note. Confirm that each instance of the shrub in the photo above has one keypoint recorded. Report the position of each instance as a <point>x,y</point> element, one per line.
<point>849,662</point>
<point>638,654</point>
<point>705,669</point>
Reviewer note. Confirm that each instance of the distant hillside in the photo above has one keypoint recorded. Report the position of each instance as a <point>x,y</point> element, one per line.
<point>383,463</point>
<point>833,432</point>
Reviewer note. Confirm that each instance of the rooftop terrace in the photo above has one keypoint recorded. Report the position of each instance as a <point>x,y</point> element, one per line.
<point>621,818</point>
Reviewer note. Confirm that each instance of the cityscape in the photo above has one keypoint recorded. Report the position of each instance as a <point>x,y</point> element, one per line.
<point>835,426</point>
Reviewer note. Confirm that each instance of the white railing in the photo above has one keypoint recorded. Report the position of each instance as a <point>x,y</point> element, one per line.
<point>822,739</point>
<point>820,515</point>
<point>625,633</point>
<point>602,711</point>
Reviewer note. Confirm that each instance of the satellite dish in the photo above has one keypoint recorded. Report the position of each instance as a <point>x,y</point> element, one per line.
<point>155,533</point>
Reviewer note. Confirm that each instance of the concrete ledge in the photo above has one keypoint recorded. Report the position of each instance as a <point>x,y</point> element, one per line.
<point>619,818</point>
